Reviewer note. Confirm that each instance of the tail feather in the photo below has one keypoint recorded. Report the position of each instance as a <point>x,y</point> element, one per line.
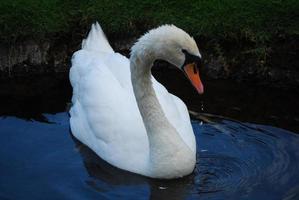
<point>96,40</point>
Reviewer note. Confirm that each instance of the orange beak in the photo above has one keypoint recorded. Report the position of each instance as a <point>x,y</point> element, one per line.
<point>192,73</point>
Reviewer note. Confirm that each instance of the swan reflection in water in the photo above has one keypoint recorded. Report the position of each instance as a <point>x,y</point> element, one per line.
<point>234,160</point>
<point>102,172</point>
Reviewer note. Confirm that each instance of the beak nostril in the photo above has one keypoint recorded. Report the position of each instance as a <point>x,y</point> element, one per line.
<point>194,69</point>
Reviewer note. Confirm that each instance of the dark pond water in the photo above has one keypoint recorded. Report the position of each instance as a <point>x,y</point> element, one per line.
<point>235,161</point>
<point>255,157</point>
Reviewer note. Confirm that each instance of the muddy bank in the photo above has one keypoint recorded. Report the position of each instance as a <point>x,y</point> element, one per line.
<point>275,65</point>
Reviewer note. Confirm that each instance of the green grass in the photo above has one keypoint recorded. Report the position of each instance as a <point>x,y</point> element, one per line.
<point>258,21</point>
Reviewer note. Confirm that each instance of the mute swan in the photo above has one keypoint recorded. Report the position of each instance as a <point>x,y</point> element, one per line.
<point>123,114</point>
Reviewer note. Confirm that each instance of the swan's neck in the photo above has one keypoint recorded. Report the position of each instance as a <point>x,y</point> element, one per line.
<point>167,149</point>
<point>151,111</point>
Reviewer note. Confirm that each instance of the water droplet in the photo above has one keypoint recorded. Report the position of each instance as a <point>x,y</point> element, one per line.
<point>162,188</point>
<point>202,106</point>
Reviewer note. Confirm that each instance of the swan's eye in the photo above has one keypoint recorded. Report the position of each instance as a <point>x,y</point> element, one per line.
<point>192,59</point>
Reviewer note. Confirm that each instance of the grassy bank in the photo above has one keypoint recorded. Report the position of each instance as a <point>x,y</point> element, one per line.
<point>255,40</point>
<point>255,20</point>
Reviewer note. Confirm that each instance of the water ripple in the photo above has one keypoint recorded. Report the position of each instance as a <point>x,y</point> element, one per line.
<point>240,157</point>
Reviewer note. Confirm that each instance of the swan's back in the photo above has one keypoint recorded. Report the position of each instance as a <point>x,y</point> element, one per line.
<point>105,115</point>
<point>103,106</point>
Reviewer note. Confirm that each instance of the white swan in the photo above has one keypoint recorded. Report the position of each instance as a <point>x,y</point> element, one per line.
<point>123,114</point>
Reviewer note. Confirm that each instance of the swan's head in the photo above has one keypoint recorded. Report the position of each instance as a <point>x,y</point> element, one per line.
<point>175,46</point>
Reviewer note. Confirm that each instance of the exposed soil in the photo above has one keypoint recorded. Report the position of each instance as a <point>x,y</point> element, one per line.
<point>275,66</point>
